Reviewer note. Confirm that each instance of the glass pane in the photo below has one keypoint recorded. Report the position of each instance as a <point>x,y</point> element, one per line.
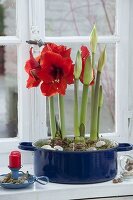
<point>108,82</point>
<point>8,91</point>
<point>7,17</point>
<point>76,17</point>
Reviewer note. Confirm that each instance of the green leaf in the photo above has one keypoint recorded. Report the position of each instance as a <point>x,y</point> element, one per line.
<point>102,60</point>
<point>78,65</point>
<point>100,96</point>
<point>88,72</point>
<point>93,39</point>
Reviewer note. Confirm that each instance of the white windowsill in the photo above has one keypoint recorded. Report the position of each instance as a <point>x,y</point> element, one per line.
<point>53,191</point>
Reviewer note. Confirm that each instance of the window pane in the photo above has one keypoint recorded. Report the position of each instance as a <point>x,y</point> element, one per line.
<point>7,17</point>
<point>107,120</point>
<point>8,91</point>
<point>76,17</point>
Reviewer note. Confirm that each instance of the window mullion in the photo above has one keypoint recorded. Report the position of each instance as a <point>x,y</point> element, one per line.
<point>81,39</point>
<point>24,128</point>
<point>38,101</point>
<point>5,40</point>
<point>122,69</point>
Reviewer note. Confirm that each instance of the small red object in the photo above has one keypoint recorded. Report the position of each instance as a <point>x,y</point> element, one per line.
<point>15,159</point>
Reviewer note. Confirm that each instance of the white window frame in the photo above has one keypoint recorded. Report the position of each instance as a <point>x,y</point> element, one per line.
<point>31,104</point>
<point>31,124</point>
<point>22,33</point>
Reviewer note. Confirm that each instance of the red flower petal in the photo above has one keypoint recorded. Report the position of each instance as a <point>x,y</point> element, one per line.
<point>50,60</point>
<point>31,82</point>
<point>51,89</point>
<point>85,52</point>
<point>45,76</point>
<point>59,49</point>
<point>32,63</point>
<point>70,77</point>
<point>48,89</point>
<point>28,66</point>
<point>61,86</point>
<point>32,67</point>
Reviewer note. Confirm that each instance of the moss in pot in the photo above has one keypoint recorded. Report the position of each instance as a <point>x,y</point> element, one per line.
<point>69,144</point>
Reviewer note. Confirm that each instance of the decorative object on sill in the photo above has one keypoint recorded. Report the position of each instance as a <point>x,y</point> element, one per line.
<point>126,164</point>
<point>15,160</point>
<point>15,164</point>
<point>24,180</point>
<point>81,159</point>
<point>18,179</point>
<point>118,179</point>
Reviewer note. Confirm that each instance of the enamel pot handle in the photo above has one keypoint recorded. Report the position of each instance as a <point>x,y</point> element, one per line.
<point>43,180</point>
<point>26,146</point>
<point>124,147</point>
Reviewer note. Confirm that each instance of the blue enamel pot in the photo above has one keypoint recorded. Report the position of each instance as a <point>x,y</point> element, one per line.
<point>76,167</point>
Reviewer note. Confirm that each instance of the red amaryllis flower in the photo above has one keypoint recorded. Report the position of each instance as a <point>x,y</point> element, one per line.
<point>32,67</point>
<point>85,53</point>
<point>56,70</point>
<point>59,49</point>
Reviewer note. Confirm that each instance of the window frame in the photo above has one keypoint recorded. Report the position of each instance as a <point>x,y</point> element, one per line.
<point>22,33</point>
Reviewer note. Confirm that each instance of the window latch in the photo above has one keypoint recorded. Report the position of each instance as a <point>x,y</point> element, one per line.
<point>36,42</point>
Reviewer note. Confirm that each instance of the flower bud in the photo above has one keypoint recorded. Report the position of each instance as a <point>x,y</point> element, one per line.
<point>88,72</point>
<point>78,65</point>
<point>101,61</point>
<point>93,39</point>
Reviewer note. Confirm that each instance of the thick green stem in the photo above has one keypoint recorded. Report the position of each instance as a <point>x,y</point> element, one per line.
<point>62,115</point>
<point>93,128</point>
<point>84,103</point>
<point>76,114</point>
<point>98,121</point>
<point>52,116</point>
<point>93,86</point>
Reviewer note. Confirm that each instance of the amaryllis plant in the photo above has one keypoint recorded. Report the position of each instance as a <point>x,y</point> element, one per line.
<point>53,70</point>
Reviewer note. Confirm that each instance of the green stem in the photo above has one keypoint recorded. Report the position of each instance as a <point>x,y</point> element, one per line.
<point>93,128</point>
<point>62,115</point>
<point>84,103</point>
<point>52,116</point>
<point>76,114</point>
<point>98,121</point>
<point>93,86</point>
<point>93,60</point>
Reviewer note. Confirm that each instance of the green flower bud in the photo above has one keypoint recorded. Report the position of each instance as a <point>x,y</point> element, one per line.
<point>88,72</point>
<point>93,39</point>
<point>101,61</point>
<point>78,65</point>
